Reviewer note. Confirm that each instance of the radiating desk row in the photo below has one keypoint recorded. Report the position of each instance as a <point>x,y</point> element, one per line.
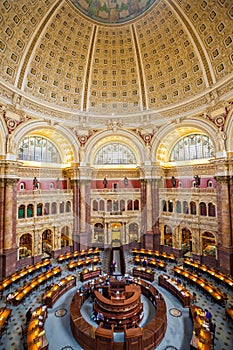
<point>152,262</point>
<point>201,338</point>
<point>144,273</point>
<point>82,262</point>
<point>177,289</point>
<point>5,314</point>
<point>82,253</point>
<point>217,275</point>
<point>214,292</point>
<point>154,254</point>
<point>58,289</point>
<point>22,273</point>
<point>28,287</point>
<point>36,337</point>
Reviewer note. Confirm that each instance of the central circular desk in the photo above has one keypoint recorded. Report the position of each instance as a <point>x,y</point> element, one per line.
<point>122,311</point>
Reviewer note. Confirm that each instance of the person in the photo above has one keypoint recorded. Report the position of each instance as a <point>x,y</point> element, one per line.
<point>208,315</point>
<point>28,315</point>
<point>114,265</point>
<point>9,298</point>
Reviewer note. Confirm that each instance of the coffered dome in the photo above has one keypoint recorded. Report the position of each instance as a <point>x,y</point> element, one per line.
<point>174,58</point>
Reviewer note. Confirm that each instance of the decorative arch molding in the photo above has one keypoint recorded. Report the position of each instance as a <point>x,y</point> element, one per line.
<point>229,131</point>
<point>62,137</point>
<point>168,136</point>
<point>125,137</point>
<point>3,137</point>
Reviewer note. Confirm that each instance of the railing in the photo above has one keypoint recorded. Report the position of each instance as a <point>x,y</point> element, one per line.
<point>43,192</point>
<point>187,190</point>
<point>115,190</point>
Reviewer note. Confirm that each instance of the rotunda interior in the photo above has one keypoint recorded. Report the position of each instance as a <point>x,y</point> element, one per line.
<point>116,129</point>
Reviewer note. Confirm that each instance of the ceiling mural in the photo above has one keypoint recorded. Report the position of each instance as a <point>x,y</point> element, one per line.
<point>112,11</point>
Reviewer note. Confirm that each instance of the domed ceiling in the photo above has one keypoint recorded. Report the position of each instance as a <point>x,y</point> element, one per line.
<point>113,11</point>
<point>175,57</point>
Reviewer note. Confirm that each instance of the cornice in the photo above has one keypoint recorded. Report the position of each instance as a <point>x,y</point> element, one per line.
<point>197,105</point>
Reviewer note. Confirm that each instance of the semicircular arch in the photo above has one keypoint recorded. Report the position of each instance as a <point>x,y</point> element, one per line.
<point>126,138</point>
<point>167,137</point>
<point>62,138</point>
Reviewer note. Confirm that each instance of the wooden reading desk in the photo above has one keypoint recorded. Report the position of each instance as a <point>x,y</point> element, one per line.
<point>36,337</point>
<point>176,289</point>
<point>5,314</point>
<point>215,293</point>
<point>50,297</point>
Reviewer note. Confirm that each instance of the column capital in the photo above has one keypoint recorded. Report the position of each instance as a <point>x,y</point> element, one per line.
<point>223,179</point>
<point>8,181</point>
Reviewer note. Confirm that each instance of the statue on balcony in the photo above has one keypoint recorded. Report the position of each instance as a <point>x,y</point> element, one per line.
<point>35,184</point>
<point>126,181</point>
<point>173,181</point>
<point>197,180</point>
<point>105,182</point>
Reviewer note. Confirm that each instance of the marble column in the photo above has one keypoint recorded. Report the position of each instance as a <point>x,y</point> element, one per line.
<point>224,192</point>
<point>75,187</point>
<point>8,203</point>
<point>156,185</point>
<point>84,213</point>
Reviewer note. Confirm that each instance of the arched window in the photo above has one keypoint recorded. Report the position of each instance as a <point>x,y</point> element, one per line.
<point>186,241</point>
<point>99,232</point>
<point>109,205</point>
<point>29,211</point>
<point>21,211</point>
<point>202,209</point>
<point>195,146</point>
<point>133,232</point>
<point>193,208</point>
<point>22,186</point>
<point>54,208</point>
<point>164,205</point>
<point>65,240</point>
<point>38,149</point>
<point>178,207</point>
<point>46,209</point>
<point>129,205</point>
<point>68,207</point>
<point>211,209</point>
<point>185,207</point>
<point>136,204</point>
<point>47,241</point>
<point>101,205</point>
<point>39,209</point>
<point>115,153</point>
<point>170,206</point>
<point>208,244</point>
<point>167,235</point>
<point>95,205</point>
<point>115,205</point>
<point>62,207</point>
<point>210,183</point>
<point>122,205</point>
<point>25,246</point>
